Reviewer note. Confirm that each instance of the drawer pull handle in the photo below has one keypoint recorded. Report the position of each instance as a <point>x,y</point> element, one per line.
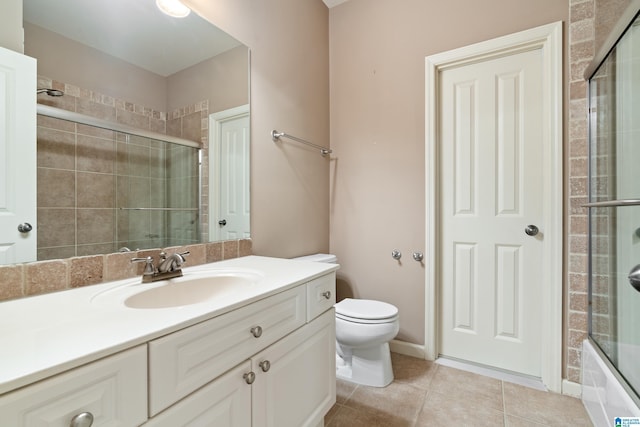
<point>256,331</point>
<point>249,377</point>
<point>327,294</point>
<point>84,419</point>
<point>265,365</point>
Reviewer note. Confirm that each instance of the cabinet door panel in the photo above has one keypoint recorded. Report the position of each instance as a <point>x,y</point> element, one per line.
<point>300,385</point>
<point>114,390</point>
<point>182,362</point>
<point>225,402</point>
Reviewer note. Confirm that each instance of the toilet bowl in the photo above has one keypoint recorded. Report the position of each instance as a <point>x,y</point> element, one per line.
<point>363,331</point>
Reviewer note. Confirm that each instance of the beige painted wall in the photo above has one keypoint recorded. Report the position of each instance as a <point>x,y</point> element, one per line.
<point>11,26</point>
<point>66,60</point>
<point>378,48</point>
<point>289,92</point>
<point>223,80</point>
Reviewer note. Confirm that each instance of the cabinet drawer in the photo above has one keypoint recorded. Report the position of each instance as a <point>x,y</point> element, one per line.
<point>186,360</point>
<point>113,389</point>
<point>321,295</point>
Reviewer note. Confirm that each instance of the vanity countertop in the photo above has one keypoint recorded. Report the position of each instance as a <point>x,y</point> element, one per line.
<point>44,335</point>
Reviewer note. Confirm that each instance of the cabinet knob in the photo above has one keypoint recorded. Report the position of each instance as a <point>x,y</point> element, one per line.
<point>265,365</point>
<point>327,294</point>
<point>84,419</point>
<point>256,331</point>
<point>249,377</point>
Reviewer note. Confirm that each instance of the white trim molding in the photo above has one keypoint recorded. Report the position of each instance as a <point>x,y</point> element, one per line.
<point>547,39</point>
<point>407,348</point>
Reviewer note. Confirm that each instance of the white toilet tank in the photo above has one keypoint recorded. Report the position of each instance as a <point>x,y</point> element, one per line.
<point>327,258</point>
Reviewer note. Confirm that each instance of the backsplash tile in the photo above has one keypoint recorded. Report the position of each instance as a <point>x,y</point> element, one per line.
<point>11,280</point>
<point>86,270</point>
<point>41,277</point>
<point>46,276</point>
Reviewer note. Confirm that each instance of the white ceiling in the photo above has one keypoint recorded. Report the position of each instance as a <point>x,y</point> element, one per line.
<point>332,3</point>
<point>132,30</point>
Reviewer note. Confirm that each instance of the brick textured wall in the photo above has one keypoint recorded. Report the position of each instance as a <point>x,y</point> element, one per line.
<point>581,52</point>
<point>590,22</point>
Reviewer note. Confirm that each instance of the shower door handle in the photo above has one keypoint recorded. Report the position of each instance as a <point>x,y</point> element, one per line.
<point>634,277</point>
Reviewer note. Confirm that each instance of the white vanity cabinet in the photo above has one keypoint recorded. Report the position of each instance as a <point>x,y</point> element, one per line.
<point>289,380</point>
<point>113,390</point>
<point>266,362</point>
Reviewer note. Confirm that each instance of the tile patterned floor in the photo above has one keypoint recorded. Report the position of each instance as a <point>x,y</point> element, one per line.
<point>427,394</point>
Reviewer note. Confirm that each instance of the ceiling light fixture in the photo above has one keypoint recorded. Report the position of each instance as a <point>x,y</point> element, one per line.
<point>173,8</point>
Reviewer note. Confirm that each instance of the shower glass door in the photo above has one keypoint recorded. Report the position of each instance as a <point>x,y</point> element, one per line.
<point>614,213</point>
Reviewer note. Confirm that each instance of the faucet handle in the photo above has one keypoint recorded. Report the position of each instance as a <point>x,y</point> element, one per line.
<point>148,267</point>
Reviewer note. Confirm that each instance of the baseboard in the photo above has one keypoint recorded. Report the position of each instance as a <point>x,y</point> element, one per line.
<point>571,389</point>
<point>408,349</point>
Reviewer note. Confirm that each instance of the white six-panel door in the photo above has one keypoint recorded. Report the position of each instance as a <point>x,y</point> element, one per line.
<point>17,156</point>
<point>491,189</point>
<point>494,166</point>
<point>229,170</point>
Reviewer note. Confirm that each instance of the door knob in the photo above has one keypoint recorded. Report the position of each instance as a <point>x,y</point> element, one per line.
<point>634,277</point>
<point>222,222</point>
<point>25,227</point>
<point>531,230</point>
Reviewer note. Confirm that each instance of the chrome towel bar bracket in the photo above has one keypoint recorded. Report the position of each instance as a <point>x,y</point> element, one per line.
<point>275,135</point>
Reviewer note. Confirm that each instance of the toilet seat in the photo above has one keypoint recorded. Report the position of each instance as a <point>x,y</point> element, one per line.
<point>365,311</point>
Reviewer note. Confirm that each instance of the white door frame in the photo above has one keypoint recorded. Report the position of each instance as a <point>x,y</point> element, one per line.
<point>215,122</point>
<point>547,38</point>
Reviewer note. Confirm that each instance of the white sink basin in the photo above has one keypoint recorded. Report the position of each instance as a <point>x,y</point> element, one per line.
<point>188,290</point>
<point>192,288</point>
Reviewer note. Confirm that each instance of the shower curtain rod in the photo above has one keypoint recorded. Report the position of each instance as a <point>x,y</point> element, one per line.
<point>275,135</point>
<point>59,113</point>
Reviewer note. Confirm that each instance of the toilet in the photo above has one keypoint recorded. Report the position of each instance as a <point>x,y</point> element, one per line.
<point>363,331</point>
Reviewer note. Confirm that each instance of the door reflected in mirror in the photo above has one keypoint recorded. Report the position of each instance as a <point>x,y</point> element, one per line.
<point>127,62</point>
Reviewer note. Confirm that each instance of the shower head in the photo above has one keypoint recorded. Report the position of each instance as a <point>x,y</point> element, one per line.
<point>50,92</point>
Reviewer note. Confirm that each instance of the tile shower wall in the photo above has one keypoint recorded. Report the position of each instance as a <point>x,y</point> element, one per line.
<point>589,24</point>
<point>84,172</point>
<point>581,50</point>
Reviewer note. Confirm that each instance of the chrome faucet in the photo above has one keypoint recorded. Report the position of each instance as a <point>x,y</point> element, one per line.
<point>169,266</point>
<point>171,263</point>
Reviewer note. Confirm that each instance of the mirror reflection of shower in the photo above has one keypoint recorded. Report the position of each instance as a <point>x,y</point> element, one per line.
<point>50,92</point>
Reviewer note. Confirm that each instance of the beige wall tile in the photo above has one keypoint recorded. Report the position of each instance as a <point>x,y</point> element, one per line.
<point>118,266</point>
<point>11,281</point>
<point>56,188</point>
<point>95,190</point>
<point>214,251</point>
<point>46,276</point>
<point>86,270</point>
<point>230,249</point>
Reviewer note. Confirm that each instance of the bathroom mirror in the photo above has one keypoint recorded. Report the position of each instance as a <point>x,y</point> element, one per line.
<point>125,61</point>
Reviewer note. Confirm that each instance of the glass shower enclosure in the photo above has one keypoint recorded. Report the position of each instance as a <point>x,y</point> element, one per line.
<point>614,208</point>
